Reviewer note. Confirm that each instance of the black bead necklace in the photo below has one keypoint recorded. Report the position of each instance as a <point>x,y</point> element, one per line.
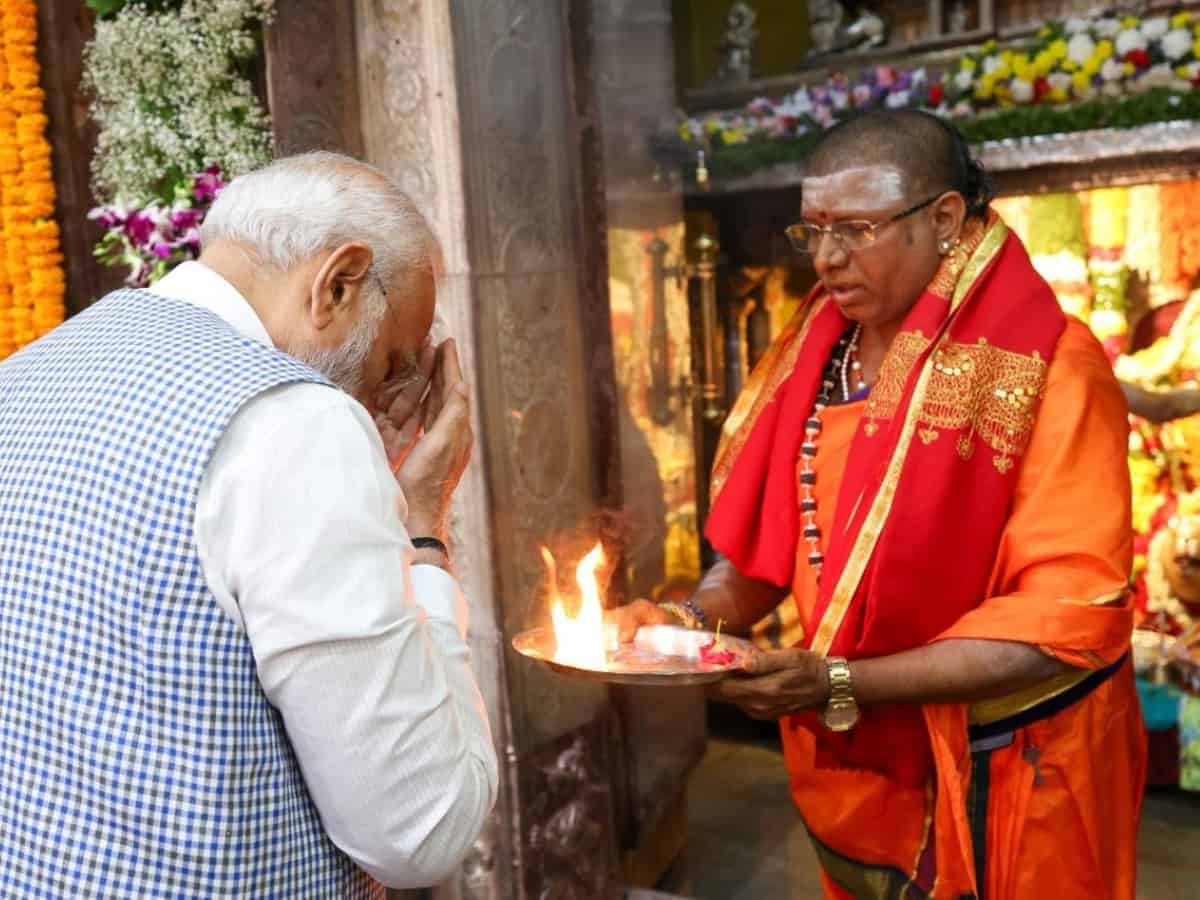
<point>836,375</point>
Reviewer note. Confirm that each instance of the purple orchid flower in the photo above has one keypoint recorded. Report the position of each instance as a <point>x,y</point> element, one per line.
<point>185,218</point>
<point>207,185</point>
<point>138,227</point>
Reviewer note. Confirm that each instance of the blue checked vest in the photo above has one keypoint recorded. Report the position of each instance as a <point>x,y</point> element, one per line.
<point>138,755</point>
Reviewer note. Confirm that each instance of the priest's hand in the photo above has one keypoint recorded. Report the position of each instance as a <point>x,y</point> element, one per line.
<point>776,683</point>
<point>632,616</point>
<point>399,408</point>
<point>437,459</point>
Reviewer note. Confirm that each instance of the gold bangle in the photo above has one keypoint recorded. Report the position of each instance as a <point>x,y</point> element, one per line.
<point>686,619</point>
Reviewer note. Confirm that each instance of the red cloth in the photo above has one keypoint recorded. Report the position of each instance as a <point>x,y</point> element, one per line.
<point>940,533</point>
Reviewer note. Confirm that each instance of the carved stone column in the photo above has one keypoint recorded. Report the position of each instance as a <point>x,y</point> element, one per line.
<point>475,108</point>
<point>632,61</point>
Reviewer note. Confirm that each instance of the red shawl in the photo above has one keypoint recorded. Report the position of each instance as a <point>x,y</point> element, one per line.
<point>929,479</point>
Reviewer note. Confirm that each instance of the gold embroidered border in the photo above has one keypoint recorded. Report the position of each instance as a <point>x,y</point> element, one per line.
<point>888,390</point>
<point>989,247</point>
<point>864,544</point>
<point>739,424</point>
<point>881,506</point>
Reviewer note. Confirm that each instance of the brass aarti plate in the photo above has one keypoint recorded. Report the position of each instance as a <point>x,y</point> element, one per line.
<point>660,655</point>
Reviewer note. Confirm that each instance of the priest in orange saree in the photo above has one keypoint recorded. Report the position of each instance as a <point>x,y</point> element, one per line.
<point>949,508</point>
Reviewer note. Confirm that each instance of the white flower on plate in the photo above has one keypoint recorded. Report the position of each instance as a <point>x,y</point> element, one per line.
<point>964,80</point>
<point>1155,28</point>
<point>1177,44</point>
<point>1131,39</point>
<point>1107,28</point>
<point>1080,48</point>
<point>1022,90</point>
<point>1112,70</point>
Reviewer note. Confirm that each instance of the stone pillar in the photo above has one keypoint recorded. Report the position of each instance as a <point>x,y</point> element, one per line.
<point>632,61</point>
<point>481,113</point>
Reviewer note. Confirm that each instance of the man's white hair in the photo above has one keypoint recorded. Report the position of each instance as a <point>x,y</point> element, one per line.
<point>291,210</point>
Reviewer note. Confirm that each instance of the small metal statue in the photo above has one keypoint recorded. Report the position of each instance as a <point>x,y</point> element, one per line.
<point>738,42</point>
<point>832,29</point>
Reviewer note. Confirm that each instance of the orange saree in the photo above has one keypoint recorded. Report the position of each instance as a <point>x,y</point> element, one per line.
<point>980,491</point>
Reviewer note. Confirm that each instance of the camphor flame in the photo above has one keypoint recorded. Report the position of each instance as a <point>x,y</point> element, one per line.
<point>579,639</point>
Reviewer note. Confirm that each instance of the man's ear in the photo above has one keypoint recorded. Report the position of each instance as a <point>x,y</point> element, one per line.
<point>949,213</point>
<point>338,286</point>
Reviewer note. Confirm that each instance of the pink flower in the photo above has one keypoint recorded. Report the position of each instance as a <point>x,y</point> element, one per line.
<point>185,218</point>
<point>139,226</point>
<point>207,185</point>
<point>885,76</point>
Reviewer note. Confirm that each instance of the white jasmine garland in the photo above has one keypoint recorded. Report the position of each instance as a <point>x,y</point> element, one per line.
<point>1112,71</point>
<point>168,97</point>
<point>1155,28</point>
<point>1060,81</point>
<point>1177,44</point>
<point>1022,90</point>
<point>1080,48</point>
<point>1131,39</point>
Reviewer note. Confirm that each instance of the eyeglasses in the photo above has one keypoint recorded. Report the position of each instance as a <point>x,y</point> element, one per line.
<point>855,234</point>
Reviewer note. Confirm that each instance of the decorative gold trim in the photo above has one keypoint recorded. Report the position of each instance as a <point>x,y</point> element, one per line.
<point>989,247</point>
<point>888,390</point>
<point>864,544</point>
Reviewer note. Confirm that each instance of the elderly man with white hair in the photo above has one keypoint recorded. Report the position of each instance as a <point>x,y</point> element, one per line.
<point>232,652</point>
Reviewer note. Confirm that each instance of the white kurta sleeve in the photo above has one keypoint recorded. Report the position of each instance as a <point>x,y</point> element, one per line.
<point>363,653</point>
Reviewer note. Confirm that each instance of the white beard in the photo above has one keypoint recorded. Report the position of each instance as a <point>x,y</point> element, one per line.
<point>344,365</point>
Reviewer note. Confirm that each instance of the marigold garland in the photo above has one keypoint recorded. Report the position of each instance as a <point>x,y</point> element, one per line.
<point>32,284</point>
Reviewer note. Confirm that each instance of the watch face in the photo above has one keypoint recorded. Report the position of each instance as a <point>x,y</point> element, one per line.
<point>840,716</point>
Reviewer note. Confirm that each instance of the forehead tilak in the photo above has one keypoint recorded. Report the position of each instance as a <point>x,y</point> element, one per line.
<point>852,190</point>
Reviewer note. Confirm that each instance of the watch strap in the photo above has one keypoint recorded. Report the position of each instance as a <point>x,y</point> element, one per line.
<point>430,543</point>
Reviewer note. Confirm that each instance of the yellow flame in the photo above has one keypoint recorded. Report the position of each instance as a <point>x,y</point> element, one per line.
<point>579,639</point>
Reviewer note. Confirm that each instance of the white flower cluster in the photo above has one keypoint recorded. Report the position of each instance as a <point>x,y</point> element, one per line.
<point>170,98</point>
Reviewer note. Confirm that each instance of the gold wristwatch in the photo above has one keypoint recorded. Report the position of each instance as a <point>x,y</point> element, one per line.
<point>841,712</point>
